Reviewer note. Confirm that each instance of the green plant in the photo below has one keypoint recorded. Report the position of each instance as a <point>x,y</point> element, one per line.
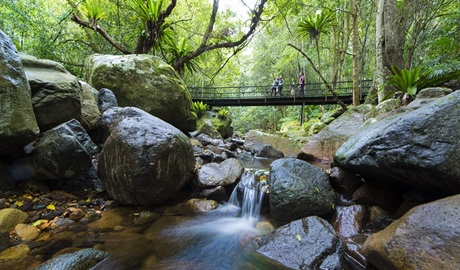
<point>93,11</point>
<point>199,108</point>
<point>409,82</point>
<point>222,113</point>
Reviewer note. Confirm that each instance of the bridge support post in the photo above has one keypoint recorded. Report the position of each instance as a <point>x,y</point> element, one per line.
<point>302,118</point>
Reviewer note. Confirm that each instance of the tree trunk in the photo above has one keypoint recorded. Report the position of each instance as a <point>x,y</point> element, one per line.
<point>356,94</point>
<point>379,73</point>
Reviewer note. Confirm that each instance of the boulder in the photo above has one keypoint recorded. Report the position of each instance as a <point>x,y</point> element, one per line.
<point>255,141</point>
<point>349,220</point>
<point>308,243</point>
<point>62,152</point>
<point>325,143</point>
<point>144,160</point>
<point>205,126</point>
<point>219,174</point>
<point>18,125</point>
<point>146,82</point>
<point>298,189</point>
<point>426,237</point>
<point>221,123</point>
<point>90,113</point>
<point>418,148</point>
<point>106,99</point>
<point>56,94</point>
<point>268,151</point>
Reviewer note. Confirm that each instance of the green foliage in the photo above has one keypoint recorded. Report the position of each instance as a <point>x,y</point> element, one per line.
<point>199,108</point>
<point>147,10</point>
<point>92,9</point>
<point>222,113</point>
<point>411,81</point>
<point>314,25</point>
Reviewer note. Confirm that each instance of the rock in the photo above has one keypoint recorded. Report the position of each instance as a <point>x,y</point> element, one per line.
<point>353,252</point>
<point>344,181</point>
<point>219,174</point>
<point>371,194</point>
<point>18,125</point>
<point>56,94</point>
<point>79,260</point>
<point>325,143</point>
<point>418,148</point>
<point>10,217</point>
<point>62,152</point>
<point>26,232</point>
<point>145,160</point>
<point>255,141</point>
<point>17,252</point>
<point>427,237</point>
<point>196,206</point>
<point>268,151</point>
<point>205,126</point>
<point>218,194</point>
<point>309,243</point>
<point>90,113</point>
<point>221,124</point>
<point>350,220</point>
<point>428,95</point>
<point>146,82</point>
<point>298,189</point>
<point>106,99</point>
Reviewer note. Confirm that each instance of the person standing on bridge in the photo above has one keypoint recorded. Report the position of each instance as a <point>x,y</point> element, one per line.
<point>280,85</point>
<point>301,84</point>
<point>274,87</point>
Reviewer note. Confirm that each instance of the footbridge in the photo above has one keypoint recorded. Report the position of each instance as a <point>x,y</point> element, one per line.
<point>315,94</point>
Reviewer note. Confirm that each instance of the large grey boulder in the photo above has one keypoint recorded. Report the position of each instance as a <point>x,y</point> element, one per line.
<point>18,126</point>
<point>426,237</point>
<point>146,82</point>
<point>62,152</point>
<point>56,94</point>
<point>308,243</point>
<point>418,148</point>
<point>90,113</point>
<point>298,189</point>
<point>144,160</point>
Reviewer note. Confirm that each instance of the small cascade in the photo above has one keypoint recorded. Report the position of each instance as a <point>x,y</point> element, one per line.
<point>250,193</point>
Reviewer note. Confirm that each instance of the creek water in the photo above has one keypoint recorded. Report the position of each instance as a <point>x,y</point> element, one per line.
<point>223,238</point>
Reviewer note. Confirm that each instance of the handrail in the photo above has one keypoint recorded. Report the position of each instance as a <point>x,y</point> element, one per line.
<point>343,88</point>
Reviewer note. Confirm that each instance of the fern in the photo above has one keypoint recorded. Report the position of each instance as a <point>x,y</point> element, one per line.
<point>199,108</point>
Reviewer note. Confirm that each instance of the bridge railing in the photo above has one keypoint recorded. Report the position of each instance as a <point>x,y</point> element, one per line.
<point>343,88</point>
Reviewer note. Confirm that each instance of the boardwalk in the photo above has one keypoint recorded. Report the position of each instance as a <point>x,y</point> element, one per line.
<point>315,94</point>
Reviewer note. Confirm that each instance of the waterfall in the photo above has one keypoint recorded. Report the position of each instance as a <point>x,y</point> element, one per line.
<point>249,194</point>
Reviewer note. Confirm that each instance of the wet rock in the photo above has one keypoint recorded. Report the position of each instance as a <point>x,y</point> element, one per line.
<point>353,252</point>
<point>218,194</point>
<point>268,151</point>
<point>17,252</point>
<point>219,174</point>
<point>146,217</point>
<point>109,219</point>
<point>309,243</point>
<point>255,141</point>
<point>344,181</point>
<point>376,212</point>
<point>145,160</point>
<point>26,232</point>
<point>79,260</point>
<point>298,189</point>
<point>18,126</point>
<point>10,217</point>
<point>418,148</point>
<point>90,113</point>
<point>427,237</point>
<point>106,99</point>
<point>371,194</point>
<point>196,206</point>
<point>350,220</point>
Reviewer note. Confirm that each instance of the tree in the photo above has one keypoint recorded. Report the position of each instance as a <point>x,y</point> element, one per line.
<point>155,16</point>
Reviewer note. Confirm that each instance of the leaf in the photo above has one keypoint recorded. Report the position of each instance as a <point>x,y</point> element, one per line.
<point>298,237</point>
<point>317,189</point>
<point>51,207</point>
<point>19,203</point>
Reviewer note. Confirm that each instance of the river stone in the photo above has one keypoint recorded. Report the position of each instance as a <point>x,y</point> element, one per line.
<point>146,82</point>
<point>298,189</point>
<point>18,126</point>
<point>80,260</point>
<point>62,152</point>
<point>219,174</point>
<point>325,143</point>
<point>10,217</point>
<point>426,237</point>
<point>308,243</point>
<point>56,94</point>
<point>145,160</point>
<point>419,148</point>
<point>17,252</point>
<point>350,220</point>
<point>106,99</point>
